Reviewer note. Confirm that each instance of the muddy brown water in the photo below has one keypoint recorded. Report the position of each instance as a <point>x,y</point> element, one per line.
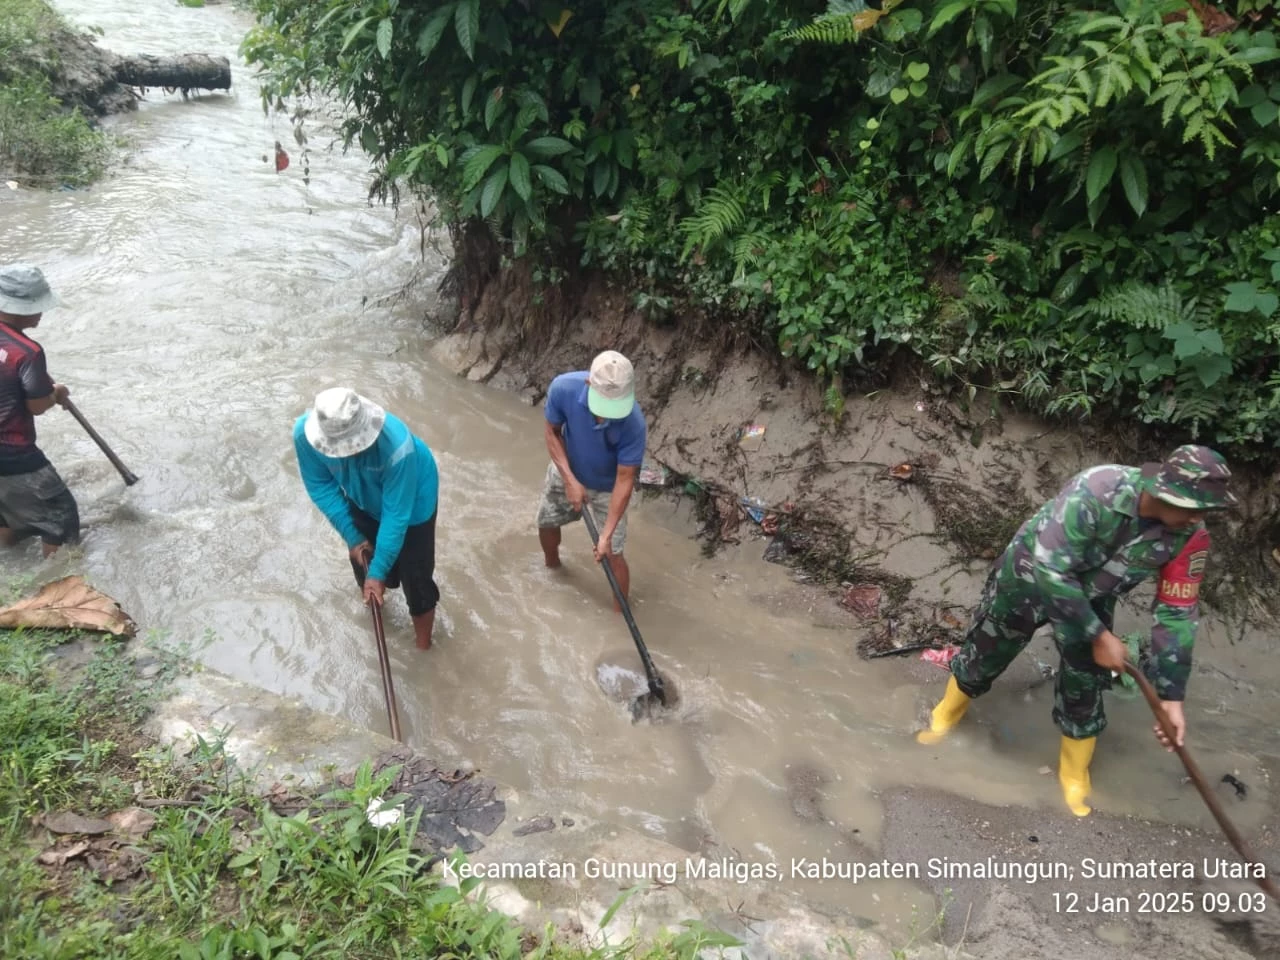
<point>206,299</point>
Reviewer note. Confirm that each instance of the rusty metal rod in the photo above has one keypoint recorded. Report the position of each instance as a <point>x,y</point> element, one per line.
<point>384,663</point>
<point>1202,785</point>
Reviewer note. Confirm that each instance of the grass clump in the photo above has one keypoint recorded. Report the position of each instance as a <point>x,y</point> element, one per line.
<point>41,139</point>
<point>215,872</point>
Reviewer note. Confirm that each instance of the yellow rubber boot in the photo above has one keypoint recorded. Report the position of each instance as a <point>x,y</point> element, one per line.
<point>946,714</point>
<point>1073,772</point>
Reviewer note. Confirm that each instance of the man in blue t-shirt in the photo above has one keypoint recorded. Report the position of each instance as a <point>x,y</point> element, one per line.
<point>596,436</point>
<point>378,486</point>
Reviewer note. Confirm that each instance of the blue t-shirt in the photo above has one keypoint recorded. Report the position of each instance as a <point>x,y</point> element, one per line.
<point>596,450</point>
<point>395,481</point>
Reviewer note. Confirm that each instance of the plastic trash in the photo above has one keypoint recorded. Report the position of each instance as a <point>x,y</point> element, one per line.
<point>380,817</point>
<point>941,658</point>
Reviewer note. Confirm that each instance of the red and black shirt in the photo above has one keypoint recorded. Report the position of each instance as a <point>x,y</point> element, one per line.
<point>23,377</point>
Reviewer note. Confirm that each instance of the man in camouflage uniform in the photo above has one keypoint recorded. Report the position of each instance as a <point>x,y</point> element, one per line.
<point>1109,529</point>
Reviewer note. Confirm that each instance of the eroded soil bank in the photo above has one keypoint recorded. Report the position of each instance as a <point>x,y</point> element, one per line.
<point>890,520</point>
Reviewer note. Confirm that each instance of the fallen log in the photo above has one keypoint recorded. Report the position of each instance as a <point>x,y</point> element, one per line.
<point>187,71</point>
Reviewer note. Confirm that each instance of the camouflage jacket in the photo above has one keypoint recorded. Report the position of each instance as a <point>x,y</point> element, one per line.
<point>1089,545</point>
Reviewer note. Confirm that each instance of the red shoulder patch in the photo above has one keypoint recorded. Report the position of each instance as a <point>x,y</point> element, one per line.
<point>1180,578</point>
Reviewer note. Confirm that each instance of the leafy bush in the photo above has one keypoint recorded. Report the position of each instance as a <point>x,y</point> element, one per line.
<point>39,139</point>
<point>1068,200</point>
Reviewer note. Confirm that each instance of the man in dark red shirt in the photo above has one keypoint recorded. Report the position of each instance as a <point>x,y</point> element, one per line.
<point>33,498</point>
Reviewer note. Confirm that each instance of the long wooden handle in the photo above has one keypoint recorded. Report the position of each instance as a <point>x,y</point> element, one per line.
<point>1202,785</point>
<point>129,478</point>
<point>384,663</point>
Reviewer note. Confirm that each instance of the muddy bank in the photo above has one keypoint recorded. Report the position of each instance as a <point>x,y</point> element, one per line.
<point>910,479</point>
<point>81,74</point>
<point>890,519</point>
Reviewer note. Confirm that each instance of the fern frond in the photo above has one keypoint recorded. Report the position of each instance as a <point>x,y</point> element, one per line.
<point>1141,306</point>
<point>718,215</point>
<point>844,22</point>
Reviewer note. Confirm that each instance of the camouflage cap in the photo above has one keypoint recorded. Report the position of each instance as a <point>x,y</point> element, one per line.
<point>1192,477</point>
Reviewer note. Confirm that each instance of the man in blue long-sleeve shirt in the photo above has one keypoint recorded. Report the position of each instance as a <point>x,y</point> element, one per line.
<point>378,486</point>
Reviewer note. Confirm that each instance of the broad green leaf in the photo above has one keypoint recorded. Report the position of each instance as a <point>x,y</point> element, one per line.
<point>384,37</point>
<point>442,154</point>
<point>624,148</point>
<point>1102,168</point>
<point>552,178</point>
<point>600,177</point>
<point>353,33</point>
<point>466,21</point>
<point>1066,144</point>
<point>1211,341</point>
<point>520,181</point>
<point>945,15</point>
<point>917,71</point>
<point>1265,113</point>
<point>493,188</point>
<point>881,82</point>
<point>1272,255</point>
<point>1252,95</point>
<point>1267,304</point>
<point>1211,369</point>
<point>468,93</point>
<point>492,107</point>
<point>1133,177</point>
<point>478,165</point>
<point>898,94</point>
<point>1275,272</point>
<point>1242,297</point>
<point>434,30</point>
<point>919,89</point>
<point>994,87</point>
<point>544,147</point>
<point>1187,347</point>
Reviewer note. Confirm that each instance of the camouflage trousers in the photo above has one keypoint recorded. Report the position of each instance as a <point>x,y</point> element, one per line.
<point>1010,611</point>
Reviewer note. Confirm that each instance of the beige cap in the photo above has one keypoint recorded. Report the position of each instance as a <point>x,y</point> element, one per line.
<point>611,392</point>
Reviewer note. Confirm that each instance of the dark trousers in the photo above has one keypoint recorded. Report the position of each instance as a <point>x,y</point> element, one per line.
<point>415,567</point>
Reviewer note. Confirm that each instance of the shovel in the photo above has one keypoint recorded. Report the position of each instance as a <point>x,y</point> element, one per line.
<point>657,691</point>
<point>1198,779</point>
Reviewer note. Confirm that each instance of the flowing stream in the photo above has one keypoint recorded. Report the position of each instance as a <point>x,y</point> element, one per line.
<point>207,298</point>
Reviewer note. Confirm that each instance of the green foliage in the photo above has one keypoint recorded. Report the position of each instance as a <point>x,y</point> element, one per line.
<point>40,140</point>
<point>1066,200</point>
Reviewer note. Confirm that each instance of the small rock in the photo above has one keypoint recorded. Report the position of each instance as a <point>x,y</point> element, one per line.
<point>1045,771</point>
<point>149,671</point>
<point>536,825</point>
<point>1033,838</point>
<point>566,822</point>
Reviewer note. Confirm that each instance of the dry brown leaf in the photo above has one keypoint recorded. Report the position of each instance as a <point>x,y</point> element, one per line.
<point>67,822</point>
<point>133,821</point>
<point>69,604</point>
<point>58,856</point>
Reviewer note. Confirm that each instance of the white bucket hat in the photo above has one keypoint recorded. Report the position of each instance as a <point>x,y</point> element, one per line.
<point>24,291</point>
<point>342,423</point>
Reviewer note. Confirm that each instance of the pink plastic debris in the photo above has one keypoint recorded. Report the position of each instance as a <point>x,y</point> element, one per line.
<point>941,658</point>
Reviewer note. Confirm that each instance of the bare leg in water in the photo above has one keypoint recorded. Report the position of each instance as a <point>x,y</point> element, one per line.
<point>549,537</point>
<point>422,626</point>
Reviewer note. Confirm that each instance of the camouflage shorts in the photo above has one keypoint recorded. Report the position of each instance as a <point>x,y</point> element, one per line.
<point>554,510</point>
<point>1001,627</point>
